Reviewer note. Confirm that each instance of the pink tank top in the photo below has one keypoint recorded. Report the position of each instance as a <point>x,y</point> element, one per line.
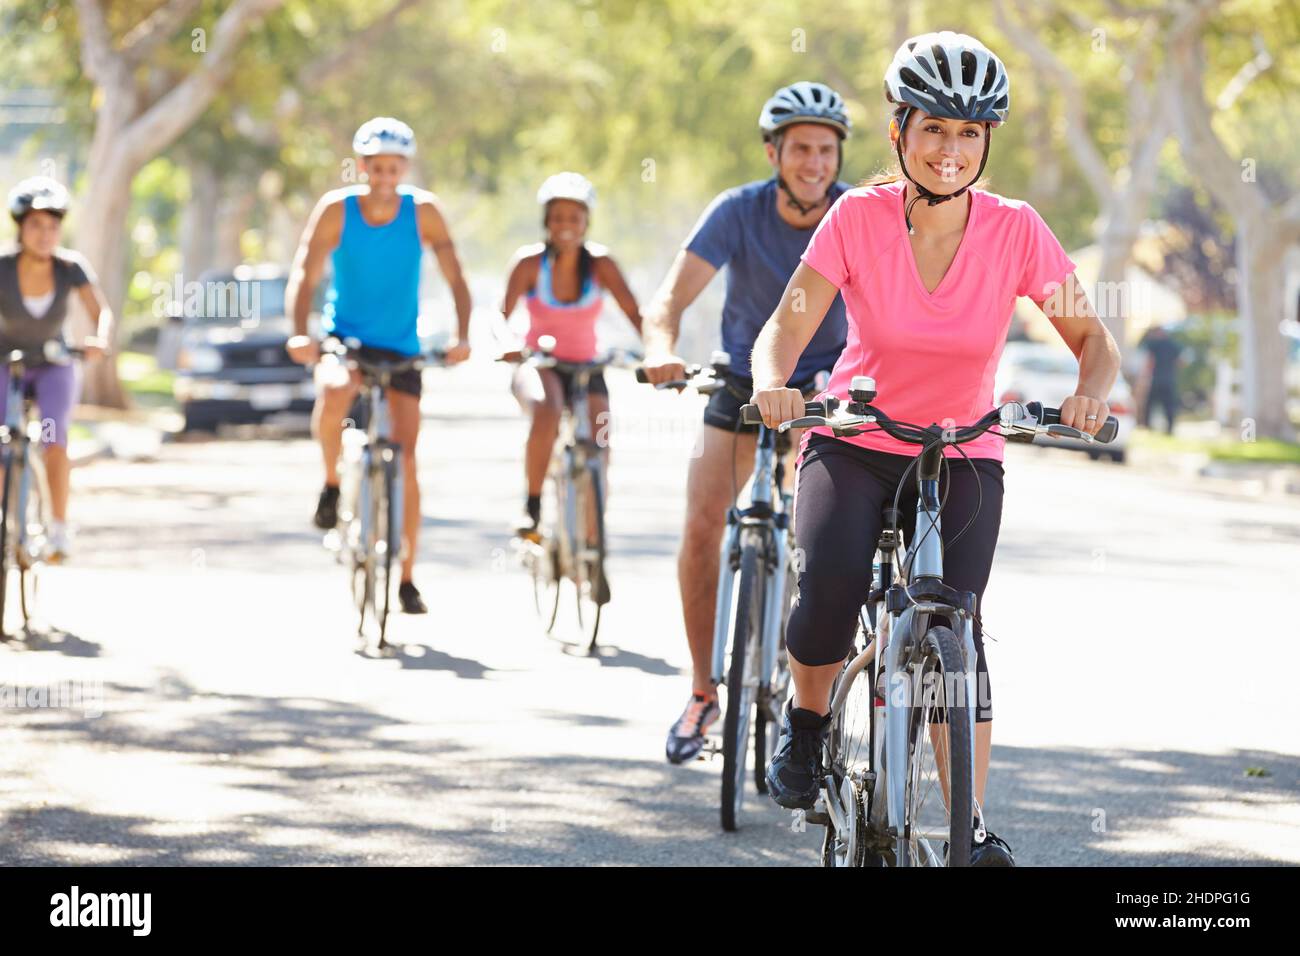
<point>573,324</point>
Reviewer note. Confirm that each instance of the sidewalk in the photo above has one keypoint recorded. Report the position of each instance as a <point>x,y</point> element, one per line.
<point>1250,478</point>
<point>134,434</point>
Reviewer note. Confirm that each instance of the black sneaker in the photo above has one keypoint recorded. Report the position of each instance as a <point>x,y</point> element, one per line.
<point>795,774</point>
<point>327,508</point>
<point>410,600</point>
<point>686,736</point>
<point>994,851</point>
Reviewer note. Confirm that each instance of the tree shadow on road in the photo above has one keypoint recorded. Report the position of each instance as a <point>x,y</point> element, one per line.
<point>47,637</point>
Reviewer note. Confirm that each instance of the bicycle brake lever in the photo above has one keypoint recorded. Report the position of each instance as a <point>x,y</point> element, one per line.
<point>808,421</point>
<point>1065,431</point>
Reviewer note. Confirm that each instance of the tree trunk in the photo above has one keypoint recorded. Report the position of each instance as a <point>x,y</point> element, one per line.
<point>199,221</point>
<point>1260,254</point>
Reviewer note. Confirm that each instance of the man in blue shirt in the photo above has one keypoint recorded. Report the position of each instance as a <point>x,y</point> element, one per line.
<point>758,231</point>
<point>374,236</point>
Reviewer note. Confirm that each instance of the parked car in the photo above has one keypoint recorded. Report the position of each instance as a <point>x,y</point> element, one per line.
<point>231,366</point>
<point>1037,372</point>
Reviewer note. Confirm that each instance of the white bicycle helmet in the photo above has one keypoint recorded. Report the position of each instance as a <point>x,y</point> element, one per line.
<point>38,192</point>
<point>950,75</point>
<point>384,135</point>
<point>568,185</point>
<point>804,102</point>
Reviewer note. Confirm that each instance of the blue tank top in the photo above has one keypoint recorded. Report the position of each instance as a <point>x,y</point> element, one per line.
<point>375,293</point>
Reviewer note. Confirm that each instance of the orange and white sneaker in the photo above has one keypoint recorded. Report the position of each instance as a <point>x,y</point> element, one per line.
<point>686,737</point>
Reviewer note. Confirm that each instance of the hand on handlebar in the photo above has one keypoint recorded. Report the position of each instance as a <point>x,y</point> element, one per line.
<point>1084,413</point>
<point>456,352</point>
<point>661,367</point>
<point>778,405</point>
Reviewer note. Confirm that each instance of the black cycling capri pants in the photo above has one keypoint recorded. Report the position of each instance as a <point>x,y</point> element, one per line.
<point>840,491</point>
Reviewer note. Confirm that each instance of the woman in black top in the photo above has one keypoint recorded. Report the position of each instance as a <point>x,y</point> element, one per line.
<point>36,280</point>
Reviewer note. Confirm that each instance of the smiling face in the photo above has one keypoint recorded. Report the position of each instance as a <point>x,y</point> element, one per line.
<point>384,172</point>
<point>39,232</point>
<point>566,223</point>
<point>808,160</point>
<point>943,155</point>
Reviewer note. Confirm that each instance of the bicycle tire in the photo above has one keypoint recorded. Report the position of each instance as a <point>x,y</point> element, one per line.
<point>941,652</point>
<point>590,568</point>
<point>29,562</point>
<point>6,539</point>
<point>746,629</point>
<point>387,538</point>
<point>544,563</point>
<point>767,723</point>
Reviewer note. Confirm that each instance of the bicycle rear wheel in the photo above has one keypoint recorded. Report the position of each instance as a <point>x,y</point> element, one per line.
<point>849,767</point>
<point>742,681</point>
<point>589,566</point>
<point>937,753</point>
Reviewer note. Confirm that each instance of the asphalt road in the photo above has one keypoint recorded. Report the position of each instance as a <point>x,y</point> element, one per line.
<point>1141,667</point>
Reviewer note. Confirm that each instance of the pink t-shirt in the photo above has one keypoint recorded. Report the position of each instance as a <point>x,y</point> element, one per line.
<point>933,354</point>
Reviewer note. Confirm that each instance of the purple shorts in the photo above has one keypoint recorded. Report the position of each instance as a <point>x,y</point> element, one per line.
<point>56,388</point>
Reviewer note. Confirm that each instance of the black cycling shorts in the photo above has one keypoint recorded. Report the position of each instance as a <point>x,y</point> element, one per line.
<point>408,382</point>
<point>840,492</point>
<point>723,408</point>
<point>595,384</point>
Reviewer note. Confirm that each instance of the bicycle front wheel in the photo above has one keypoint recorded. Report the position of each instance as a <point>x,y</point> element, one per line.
<point>30,539</point>
<point>939,758</point>
<point>387,536</point>
<point>589,568</point>
<point>742,682</point>
<point>8,506</point>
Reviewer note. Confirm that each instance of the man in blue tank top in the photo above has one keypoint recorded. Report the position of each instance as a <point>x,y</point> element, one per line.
<point>374,237</point>
<point>758,231</point>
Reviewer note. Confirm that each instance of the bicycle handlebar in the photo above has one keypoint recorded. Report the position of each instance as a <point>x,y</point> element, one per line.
<point>1018,421</point>
<point>334,346</point>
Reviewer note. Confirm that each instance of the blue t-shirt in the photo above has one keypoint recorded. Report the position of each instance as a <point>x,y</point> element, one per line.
<point>742,230</point>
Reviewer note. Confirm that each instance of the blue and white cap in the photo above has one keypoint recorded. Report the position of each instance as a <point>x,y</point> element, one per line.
<point>384,135</point>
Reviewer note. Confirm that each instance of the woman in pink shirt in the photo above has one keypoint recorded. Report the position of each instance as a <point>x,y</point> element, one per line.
<point>930,269</point>
<point>563,283</point>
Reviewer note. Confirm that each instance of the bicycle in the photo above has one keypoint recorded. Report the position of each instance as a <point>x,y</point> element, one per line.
<point>755,591</point>
<point>369,532</point>
<point>572,546</point>
<point>873,818</point>
<point>25,489</point>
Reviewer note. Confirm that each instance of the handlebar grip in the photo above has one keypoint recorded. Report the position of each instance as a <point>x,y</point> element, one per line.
<point>750,415</point>
<point>640,375</point>
<point>1107,432</point>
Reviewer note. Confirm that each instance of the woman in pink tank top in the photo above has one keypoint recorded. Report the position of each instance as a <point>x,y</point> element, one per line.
<point>930,269</point>
<point>562,282</point>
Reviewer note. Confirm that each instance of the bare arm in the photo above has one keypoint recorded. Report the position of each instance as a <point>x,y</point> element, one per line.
<point>611,277</point>
<point>1069,310</point>
<point>92,298</point>
<point>523,275</point>
<point>686,279</point>
<point>319,239</point>
<point>433,230</point>
<point>807,297</point>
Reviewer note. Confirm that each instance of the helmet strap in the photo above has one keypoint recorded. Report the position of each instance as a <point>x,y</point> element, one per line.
<point>790,197</point>
<point>932,198</point>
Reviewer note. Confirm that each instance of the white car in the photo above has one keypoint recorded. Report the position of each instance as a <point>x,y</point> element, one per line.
<point>1036,372</point>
